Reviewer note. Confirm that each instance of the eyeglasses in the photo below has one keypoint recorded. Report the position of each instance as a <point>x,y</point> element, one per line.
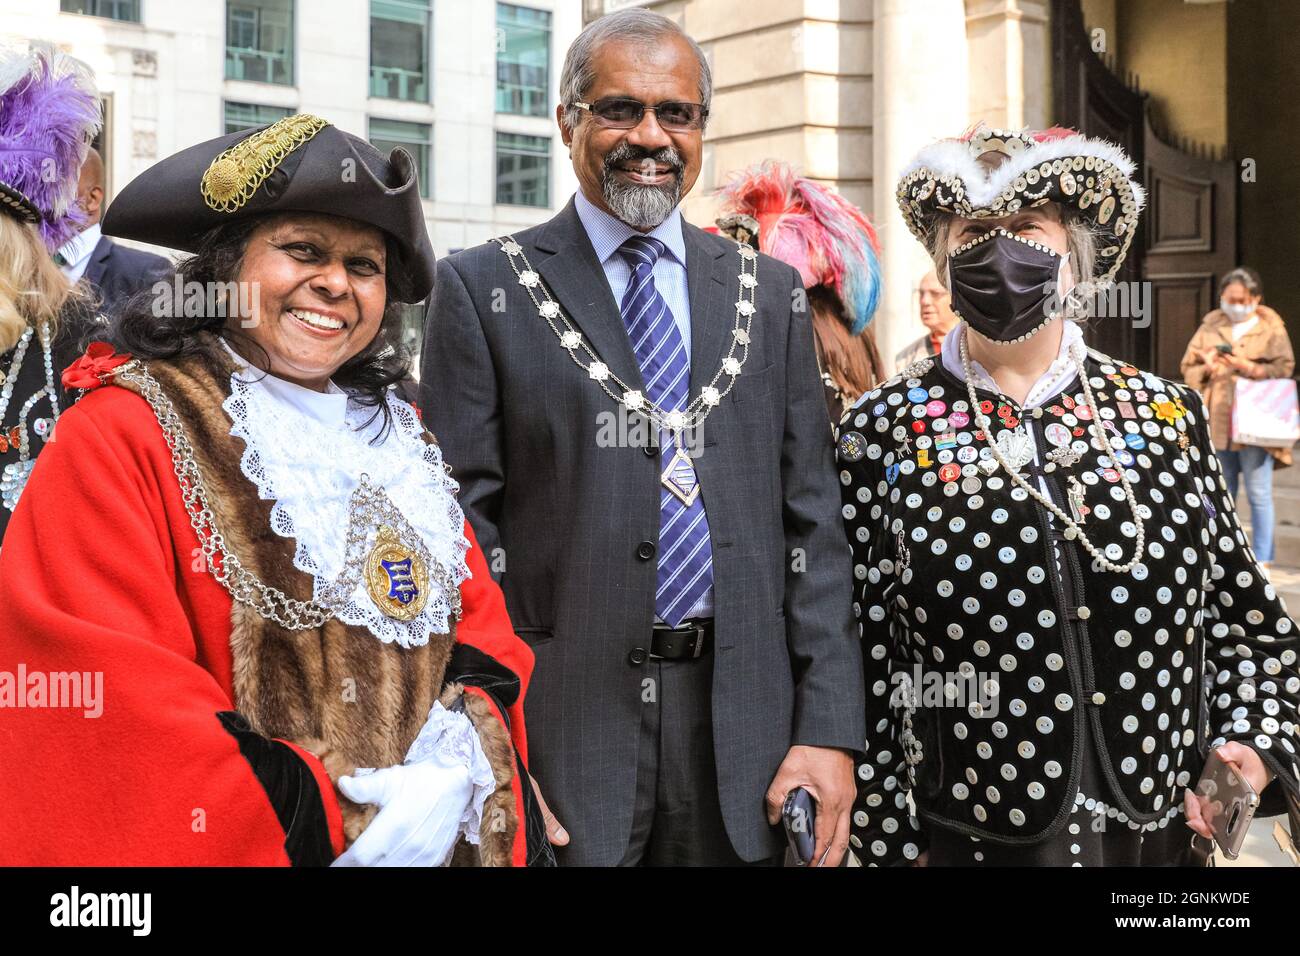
<point>621,112</point>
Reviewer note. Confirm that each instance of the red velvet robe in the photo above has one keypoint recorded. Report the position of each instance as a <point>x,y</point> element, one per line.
<point>96,576</point>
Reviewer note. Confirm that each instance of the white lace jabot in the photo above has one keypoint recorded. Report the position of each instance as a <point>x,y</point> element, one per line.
<point>307,450</point>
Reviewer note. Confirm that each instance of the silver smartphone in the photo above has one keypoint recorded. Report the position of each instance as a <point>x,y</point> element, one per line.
<point>1229,803</point>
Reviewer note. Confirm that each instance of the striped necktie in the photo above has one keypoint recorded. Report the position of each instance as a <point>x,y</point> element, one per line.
<point>685,555</point>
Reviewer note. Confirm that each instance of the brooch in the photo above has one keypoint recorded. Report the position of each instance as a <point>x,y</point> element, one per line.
<point>1016,447</point>
<point>1168,411</point>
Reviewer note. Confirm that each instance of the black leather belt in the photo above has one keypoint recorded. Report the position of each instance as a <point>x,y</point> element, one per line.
<point>690,640</point>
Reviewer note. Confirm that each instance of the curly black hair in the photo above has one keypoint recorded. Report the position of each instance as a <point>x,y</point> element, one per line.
<point>139,329</point>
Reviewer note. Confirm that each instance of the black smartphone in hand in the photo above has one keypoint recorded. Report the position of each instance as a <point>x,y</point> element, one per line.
<point>799,816</point>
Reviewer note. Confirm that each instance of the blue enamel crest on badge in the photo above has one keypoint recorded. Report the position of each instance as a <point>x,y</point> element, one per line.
<point>891,474</point>
<point>1136,442</point>
<point>401,580</point>
<point>918,394</point>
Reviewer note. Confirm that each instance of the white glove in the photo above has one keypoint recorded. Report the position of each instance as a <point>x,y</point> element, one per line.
<point>425,803</point>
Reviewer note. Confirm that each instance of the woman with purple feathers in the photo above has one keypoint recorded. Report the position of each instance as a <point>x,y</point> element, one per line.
<point>49,113</point>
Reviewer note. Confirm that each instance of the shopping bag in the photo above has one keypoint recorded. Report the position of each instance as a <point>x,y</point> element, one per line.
<point>1266,413</point>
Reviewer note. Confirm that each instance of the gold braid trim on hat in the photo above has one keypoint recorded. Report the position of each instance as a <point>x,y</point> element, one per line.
<point>233,177</point>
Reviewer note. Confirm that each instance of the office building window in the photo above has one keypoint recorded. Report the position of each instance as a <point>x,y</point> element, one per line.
<point>259,41</point>
<point>415,138</point>
<point>128,10</point>
<point>399,49</point>
<point>247,115</point>
<point>523,60</point>
<point>523,170</point>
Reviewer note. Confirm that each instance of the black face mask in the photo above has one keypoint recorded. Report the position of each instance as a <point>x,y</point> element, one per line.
<point>1004,286</point>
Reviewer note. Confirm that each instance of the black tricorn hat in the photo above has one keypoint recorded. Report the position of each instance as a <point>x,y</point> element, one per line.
<point>298,164</point>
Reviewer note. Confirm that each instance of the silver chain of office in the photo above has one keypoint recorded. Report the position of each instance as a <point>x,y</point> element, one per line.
<point>571,339</point>
<point>368,507</point>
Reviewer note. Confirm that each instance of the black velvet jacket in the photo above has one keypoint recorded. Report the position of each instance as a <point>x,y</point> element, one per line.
<point>38,425</point>
<point>990,637</point>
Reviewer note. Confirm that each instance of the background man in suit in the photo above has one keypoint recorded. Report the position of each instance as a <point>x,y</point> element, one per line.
<point>936,315</point>
<point>694,653</point>
<point>114,272</point>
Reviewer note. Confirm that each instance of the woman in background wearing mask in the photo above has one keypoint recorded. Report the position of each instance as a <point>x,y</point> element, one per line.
<point>1046,563</point>
<point>1242,338</point>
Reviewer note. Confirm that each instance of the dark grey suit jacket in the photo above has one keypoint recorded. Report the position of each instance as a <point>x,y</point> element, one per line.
<point>518,421</point>
<point>119,272</point>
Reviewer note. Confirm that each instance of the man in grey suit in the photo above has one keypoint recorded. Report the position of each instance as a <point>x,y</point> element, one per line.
<point>688,605</point>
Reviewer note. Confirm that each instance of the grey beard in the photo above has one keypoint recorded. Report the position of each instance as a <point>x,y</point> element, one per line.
<point>641,207</point>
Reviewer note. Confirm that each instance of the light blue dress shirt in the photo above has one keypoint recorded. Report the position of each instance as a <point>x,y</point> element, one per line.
<point>607,233</point>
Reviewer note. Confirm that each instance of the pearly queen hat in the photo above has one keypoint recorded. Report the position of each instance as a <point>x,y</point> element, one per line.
<point>301,163</point>
<point>49,113</point>
<point>989,173</point>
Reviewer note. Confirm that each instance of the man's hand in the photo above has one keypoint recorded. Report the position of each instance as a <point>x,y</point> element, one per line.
<point>1251,768</point>
<point>556,834</point>
<point>827,774</point>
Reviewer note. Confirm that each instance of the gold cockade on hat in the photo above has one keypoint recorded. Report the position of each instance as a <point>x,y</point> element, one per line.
<point>233,177</point>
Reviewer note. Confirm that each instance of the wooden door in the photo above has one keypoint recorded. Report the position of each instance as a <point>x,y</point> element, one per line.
<point>1191,241</point>
<point>1187,237</point>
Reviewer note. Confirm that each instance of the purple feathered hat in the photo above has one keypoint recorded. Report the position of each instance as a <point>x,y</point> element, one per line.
<point>49,113</point>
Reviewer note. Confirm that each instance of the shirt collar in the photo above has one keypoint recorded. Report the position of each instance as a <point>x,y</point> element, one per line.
<point>78,249</point>
<point>329,407</point>
<point>1057,376</point>
<point>608,232</point>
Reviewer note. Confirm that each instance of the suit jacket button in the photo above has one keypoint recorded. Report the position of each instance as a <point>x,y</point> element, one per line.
<point>645,550</point>
<point>637,656</point>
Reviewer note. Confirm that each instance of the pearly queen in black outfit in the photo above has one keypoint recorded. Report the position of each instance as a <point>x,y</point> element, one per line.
<point>1059,610</point>
<point>49,113</point>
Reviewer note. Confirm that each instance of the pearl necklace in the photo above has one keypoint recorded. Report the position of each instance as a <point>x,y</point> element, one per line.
<point>15,474</point>
<point>1072,529</point>
<point>673,420</point>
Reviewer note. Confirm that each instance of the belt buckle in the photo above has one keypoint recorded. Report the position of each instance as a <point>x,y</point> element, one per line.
<point>653,655</point>
<point>695,647</point>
